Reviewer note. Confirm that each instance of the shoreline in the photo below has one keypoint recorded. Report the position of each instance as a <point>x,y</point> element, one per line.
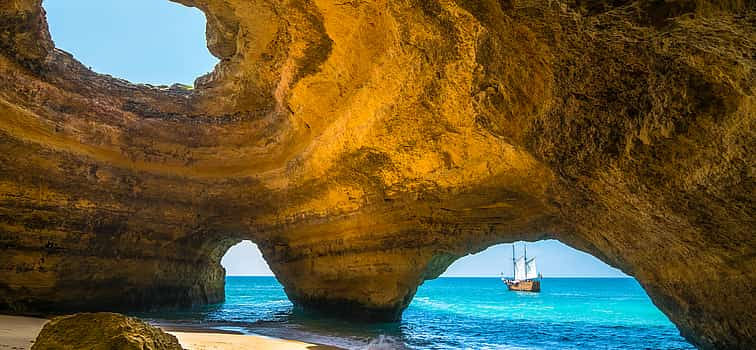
<point>19,332</point>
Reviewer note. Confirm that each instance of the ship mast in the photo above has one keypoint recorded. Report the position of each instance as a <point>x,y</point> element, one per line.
<point>525,249</point>
<point>514,263</point>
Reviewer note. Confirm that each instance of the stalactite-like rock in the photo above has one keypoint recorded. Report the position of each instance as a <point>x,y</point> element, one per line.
<point>365,145</point>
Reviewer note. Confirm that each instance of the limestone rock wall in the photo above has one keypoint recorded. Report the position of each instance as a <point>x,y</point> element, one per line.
<point>366,145</point>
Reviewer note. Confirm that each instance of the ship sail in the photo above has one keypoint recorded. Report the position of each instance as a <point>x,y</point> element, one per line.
<point>526,276</point>
<point>520,269</point>
<point>531,271</point>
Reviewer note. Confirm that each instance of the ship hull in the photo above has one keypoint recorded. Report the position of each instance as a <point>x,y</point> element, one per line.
<point>524,286</point>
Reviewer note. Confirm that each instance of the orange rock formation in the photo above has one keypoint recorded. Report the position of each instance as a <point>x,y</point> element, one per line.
<point>366,145</point>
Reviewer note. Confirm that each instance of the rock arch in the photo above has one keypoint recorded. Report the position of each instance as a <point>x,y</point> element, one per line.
<point>365,145</point>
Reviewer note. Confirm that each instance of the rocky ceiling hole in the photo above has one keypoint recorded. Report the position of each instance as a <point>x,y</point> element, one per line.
<point>163,46</point>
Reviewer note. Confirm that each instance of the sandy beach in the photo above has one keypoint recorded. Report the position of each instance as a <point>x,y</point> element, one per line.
<point>18,333</point>
<point>219,341</point>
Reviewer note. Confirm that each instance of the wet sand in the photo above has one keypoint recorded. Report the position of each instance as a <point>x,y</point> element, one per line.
<point>18,333</point>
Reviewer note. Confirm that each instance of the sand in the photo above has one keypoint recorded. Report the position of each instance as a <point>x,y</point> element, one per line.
<point>18,333</point>
<point>216,341</point>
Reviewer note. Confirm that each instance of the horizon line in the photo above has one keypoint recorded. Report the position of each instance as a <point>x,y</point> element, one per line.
<point>469,276</point>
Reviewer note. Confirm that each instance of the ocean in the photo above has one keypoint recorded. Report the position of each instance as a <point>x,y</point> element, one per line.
<point>458,313</point>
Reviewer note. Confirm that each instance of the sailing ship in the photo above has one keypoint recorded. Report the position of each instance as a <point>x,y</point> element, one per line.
<point>526,276</point>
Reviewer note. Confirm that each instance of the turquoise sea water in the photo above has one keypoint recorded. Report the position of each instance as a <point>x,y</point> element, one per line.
<point>460,313</point>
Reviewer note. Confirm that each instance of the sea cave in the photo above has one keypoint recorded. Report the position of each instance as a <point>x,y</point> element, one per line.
<point>364,146</point>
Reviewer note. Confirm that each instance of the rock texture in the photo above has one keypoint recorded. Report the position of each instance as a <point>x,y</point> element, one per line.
<point>102,331</point>
<point>365,145</point>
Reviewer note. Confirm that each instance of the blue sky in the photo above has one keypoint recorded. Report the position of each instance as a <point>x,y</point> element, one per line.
<point>554,260</point>
<point>143,41</point>
<point>161,42</point>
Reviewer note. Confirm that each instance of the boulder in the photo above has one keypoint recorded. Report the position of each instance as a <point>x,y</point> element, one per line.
<point>102,331</point>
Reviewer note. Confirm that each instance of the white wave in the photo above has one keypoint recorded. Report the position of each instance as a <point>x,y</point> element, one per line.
<point>384,343</point>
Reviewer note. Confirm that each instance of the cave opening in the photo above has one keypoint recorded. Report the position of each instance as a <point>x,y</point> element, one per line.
<point>245,259</point>
<point>583,301</point>
<point>252,292</point>
<point>142,41</point>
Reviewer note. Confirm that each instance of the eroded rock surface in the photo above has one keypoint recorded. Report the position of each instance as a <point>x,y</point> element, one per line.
<point>102,331</point>
<point>366,145</point>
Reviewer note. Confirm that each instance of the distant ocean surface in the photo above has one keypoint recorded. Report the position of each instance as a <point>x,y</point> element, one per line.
<point>459,313</point>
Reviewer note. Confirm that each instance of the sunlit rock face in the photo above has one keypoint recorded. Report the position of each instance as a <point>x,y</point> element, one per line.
<point>365,145</point>
<point>103,331</point>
